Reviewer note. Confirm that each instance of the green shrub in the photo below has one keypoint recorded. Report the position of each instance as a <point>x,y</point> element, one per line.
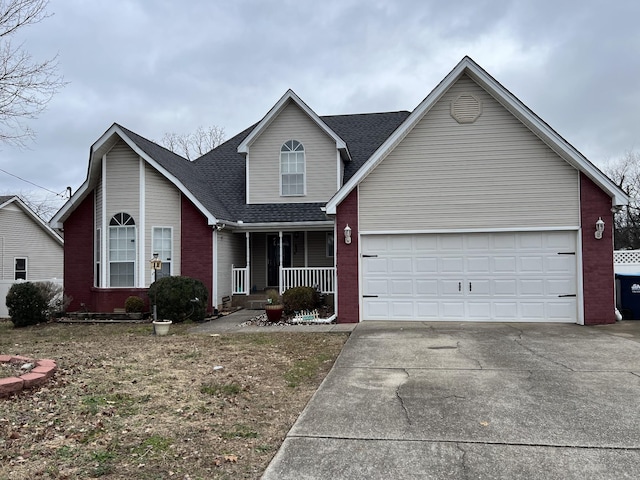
<point>179,298</point>
<point>300,298</point>
<point>133,304</point>
<point>27,304</point>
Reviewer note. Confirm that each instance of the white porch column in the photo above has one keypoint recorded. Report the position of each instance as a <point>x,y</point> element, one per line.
<point>248,263</point>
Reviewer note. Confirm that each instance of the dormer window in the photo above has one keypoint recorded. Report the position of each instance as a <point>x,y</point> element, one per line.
<point>292,169</point>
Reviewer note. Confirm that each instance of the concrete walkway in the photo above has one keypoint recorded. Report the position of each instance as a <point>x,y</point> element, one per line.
<point>473,401</point>
<point>232,323</point>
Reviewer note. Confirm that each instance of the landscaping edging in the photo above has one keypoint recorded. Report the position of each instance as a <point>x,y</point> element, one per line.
<point>41,372</point>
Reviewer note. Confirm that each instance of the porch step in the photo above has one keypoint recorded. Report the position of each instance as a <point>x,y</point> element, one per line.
<point>255,301</point>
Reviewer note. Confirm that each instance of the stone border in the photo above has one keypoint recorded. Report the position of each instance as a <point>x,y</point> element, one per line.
<point>37,376</point>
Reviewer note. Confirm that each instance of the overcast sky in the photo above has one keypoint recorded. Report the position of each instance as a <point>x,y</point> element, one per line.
<point>170,66</point>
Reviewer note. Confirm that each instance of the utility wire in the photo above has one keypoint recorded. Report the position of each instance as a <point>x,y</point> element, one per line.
<point>34,184</point>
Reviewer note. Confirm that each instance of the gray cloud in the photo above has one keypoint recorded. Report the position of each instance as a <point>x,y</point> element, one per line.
<point>171,66</point>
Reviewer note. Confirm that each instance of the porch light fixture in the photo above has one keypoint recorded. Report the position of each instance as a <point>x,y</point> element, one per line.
<point>599,228</point>
<point>347,234</point>
<point>156,264</point>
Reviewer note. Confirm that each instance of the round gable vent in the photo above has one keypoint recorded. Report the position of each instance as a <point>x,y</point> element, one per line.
<point>466,108</point>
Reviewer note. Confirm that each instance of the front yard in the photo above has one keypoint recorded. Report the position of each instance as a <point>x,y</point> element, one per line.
<point>126,404</point>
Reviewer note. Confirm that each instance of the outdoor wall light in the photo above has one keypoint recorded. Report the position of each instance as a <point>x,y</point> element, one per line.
<point>599,228</point>
<point>347,234</point>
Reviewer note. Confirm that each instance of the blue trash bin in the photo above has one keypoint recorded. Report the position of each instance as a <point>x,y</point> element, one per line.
<point>628,295</point>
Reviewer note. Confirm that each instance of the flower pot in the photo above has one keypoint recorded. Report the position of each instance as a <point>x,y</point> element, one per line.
<point>274,312</point>
<point>161,327</point>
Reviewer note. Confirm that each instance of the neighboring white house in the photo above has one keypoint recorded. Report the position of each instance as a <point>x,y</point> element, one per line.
<point>29,249</point>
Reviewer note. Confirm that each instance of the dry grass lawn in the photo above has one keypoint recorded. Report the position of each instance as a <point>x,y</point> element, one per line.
<point>127,404</point>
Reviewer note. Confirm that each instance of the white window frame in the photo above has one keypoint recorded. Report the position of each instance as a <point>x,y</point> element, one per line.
<point>129,223</point>
<point>164,259</point>
<point>289,148</point>
<point>15,268</point>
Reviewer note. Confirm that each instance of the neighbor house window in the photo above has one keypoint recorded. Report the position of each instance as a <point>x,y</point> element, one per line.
<point>292,168</point>
<point>329,244</point>
<point>122,251</point>
<point>20,270</point>
<point>163,246</point>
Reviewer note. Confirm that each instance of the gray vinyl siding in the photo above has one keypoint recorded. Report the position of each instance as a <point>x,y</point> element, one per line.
<point>22,237</point>
<point>321,173</point>
<point>123,181</point>
<point>493,173</point>
<point>317,246</point>
<point>258,261</point>
<point>298,248</point>
<point>162,209</point>
<point>224,256</point>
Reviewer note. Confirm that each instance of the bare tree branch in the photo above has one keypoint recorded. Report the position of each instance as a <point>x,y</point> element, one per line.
<point>195,144</point>
<point>26,85</point>
<point>625,172</point>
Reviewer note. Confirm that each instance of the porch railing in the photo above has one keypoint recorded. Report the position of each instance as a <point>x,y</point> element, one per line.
<point>240,280</point>
<point>322,277</point>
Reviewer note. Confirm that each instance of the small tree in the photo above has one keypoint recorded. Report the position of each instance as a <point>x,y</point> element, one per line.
<point>625,172</point>
<point>179,298</point>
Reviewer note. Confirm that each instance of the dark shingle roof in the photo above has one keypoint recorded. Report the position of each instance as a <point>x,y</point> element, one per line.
<point>5,198</point>
<point>217,179</point>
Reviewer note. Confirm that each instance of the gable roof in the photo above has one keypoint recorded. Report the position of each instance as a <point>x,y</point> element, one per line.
<point>540,128</point>
<point>7,200</point>
<point>286,99</point>
<point>176,169</point>
<point>225,168</point>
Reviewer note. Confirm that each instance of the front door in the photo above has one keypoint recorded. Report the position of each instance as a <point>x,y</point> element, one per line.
<point>273,257</point>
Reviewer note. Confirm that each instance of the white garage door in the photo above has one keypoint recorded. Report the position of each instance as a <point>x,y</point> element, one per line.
<point>511,277</point>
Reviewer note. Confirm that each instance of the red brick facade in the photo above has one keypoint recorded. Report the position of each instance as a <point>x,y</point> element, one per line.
<point>347,260</point>
<point>79,229</point>
<point>196,247</point>
<point>597,255</point>
<point>78,256</point>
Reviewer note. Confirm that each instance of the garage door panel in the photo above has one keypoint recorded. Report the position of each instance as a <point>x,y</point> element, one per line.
<point>505,265</point>
<point>531,264</point>
<point>426,265</point>
<point>506,287</point>
<point>560,264</point>
<point>402,310</point>
<point>452,265</point>
<point>479,310</point>
<point>427,288</point>
<point>376,287</point>
<point>401,287</point>
<point>530,287</point>
<point>478,264</point>
<point>401,265</point>
<point>526,276</point>
<point>372,266</point>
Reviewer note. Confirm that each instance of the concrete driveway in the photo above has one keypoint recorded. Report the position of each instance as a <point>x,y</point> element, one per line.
<point>473,401</point>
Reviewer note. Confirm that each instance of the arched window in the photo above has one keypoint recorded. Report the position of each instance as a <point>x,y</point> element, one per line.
<point>122,250</point>
<point>292,168</point>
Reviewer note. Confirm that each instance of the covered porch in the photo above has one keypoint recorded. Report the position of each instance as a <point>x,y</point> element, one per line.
<point>282,260</point>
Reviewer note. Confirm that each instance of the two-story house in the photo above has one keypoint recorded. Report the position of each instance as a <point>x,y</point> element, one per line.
<point>470,207</point>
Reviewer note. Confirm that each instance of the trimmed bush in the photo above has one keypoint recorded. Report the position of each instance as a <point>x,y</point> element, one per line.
<point>53,294</point>
<point>300,298</point>
<point>133,304</point>
<point>179,298</point>
<point>27,304</point>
